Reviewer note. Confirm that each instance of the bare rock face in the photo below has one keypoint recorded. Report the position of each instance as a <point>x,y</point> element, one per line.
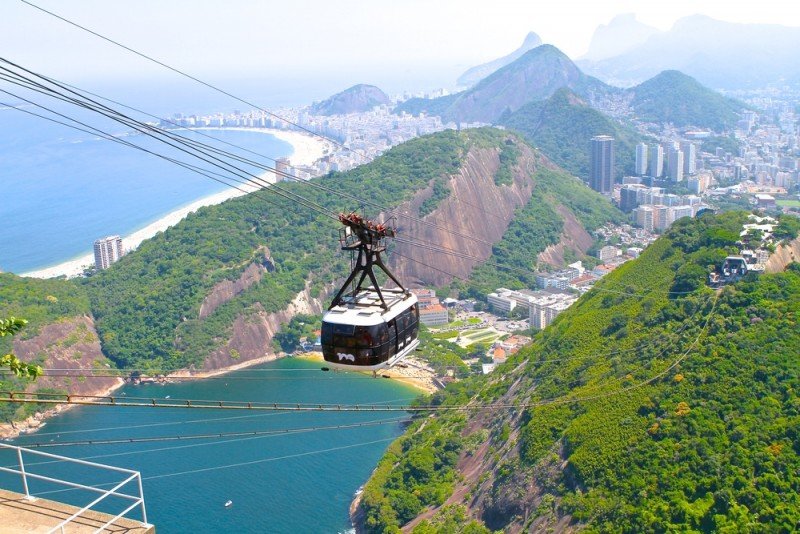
<point>73,346</point>
<point>470,220</point>
<point>574,238</point>
<point>783,256</point>
<point>228,289</point>
<point>252,334</point>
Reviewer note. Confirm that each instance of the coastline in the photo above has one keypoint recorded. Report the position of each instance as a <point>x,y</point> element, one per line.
<point>416,373</point>
<point>306,149</point>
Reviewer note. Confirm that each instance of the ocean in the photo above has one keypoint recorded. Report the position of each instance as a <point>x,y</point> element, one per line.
<point>62,189</point>
<point>288,483</point>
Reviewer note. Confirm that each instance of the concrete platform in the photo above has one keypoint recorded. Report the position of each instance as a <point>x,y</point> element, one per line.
<point>17,515</point>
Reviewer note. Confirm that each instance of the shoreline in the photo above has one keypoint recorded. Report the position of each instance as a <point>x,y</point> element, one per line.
<point>306,149</point>
<point>415,374</point>
<point>422,380</point>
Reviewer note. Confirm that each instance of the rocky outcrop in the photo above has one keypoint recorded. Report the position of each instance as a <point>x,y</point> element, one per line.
<point>470,220</point>
<point>228,289</point>
<point>72,346</point>
<point>574,237</point>
<point>783,256</point>
<point>251,336</point>
<point>356,99</point>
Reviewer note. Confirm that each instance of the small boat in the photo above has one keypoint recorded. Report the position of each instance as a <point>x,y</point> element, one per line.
<point>228,504</point>
<point>168,396</point>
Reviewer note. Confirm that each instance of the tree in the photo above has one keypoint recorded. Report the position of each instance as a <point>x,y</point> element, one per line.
<point>9,327</point>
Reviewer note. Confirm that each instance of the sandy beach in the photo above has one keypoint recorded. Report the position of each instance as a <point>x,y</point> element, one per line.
<point>306,149</point>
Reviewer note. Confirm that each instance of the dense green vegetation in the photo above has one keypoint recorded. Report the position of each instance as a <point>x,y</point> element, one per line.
<point>562,128</point>
<point>509,154</point>
<point>534,76</point>
<point>147,305</point>
<point>442,355</point>
<point>40,302</point>
<point>536,226</point>
<point>681,100</point>
<point>684,412</point>
<point>300,326</point>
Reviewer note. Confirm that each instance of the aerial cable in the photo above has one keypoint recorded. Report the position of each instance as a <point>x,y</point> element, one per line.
<point>246,160</point>
<point>189,76</point>
<point>105,135</point>
<point>94,400</point>
<point>215,420</point>
<point>240,179</point>
<point>217,435</point>
<point>179,143</point>
<point>151,131</point>
<point>240,464</point>
<point>231,155</point>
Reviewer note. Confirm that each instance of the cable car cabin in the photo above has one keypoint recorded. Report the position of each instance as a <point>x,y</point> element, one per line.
<point>359,334</point>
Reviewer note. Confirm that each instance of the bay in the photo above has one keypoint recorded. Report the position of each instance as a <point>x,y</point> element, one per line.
<point>284,483</point>
<point>60,189</point>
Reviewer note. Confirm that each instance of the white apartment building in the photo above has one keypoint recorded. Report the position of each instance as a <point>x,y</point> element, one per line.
<point>107,251</point>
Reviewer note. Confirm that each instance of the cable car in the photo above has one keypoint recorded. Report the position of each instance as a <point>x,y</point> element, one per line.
<point>368,327</point>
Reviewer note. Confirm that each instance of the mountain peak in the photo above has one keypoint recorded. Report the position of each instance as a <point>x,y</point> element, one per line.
<point>621,34</point>
<point>356,99</point>
<point>477,73</point>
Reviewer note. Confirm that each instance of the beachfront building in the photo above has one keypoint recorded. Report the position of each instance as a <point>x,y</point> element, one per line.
<point>107,251</point>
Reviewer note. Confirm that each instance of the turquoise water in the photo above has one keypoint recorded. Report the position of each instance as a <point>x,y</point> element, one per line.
<point>61,189</point>
<point>281,483</point>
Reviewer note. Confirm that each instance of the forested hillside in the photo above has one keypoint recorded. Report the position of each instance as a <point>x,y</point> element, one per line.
<point>562,127</point>
<point>226,279</point>
<point>653,404</point>
<point>674,97</point>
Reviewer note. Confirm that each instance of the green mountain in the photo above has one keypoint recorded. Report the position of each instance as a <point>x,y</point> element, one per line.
<point>213,290</point>
<point>356,99</point>
<point>536,75</point>
<point>562,127</point>
<point>637,410</point>
<point>475,74</point>
<point>674,97</point>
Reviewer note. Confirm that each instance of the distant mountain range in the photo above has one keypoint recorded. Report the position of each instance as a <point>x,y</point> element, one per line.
<point>356,99</point>
<point>477,73</point>
<point>620,35</point>
<point>680,99</point>
<point>719,54</point>
<point>562,127</point>
<point>536,75</point>
<point>539,73</point>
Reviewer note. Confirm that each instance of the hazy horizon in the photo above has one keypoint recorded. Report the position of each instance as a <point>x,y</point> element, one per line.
<point>425,44</point>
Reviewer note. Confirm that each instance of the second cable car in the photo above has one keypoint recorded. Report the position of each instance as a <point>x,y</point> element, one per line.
<point>369,327</point>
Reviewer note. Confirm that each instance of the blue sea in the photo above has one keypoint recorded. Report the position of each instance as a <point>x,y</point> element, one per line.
<point>278,483</point>
<point>62,189</point>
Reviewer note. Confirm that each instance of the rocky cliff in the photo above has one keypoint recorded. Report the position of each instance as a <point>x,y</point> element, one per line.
<point>252,333</point>
<point>469,221</point>
<point>783,256</point>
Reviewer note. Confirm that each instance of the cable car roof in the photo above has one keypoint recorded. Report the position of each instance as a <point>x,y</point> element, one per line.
<point>365,308</point>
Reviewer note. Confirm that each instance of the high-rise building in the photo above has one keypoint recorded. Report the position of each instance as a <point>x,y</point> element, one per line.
<point>641,159</point>
<point>107,251</point>
<point>601,172</point>
<point>675,164</point>
<point>656,161</point>
<point>283,170</point>
<point>630,196</point>
<point>689,158</point>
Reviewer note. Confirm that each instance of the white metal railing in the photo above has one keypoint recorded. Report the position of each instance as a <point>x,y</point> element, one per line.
<point>137,500</point>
